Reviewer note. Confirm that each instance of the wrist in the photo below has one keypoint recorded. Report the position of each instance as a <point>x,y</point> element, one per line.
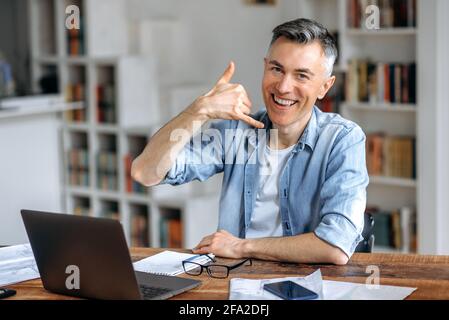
<point>245,248</point>
<point>198,110</point>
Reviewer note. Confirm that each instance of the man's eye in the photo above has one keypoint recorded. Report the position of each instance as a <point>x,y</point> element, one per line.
<point>303,76</point>
<point>276,69</point>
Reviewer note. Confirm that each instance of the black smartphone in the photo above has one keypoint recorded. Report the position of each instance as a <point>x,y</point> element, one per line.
<point>6,293</point>
<point>290,290</point>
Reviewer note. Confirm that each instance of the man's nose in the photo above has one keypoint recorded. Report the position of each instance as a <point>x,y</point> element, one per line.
<point>285,84</point>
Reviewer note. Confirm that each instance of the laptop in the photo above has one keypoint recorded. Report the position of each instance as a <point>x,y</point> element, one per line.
<point>89,258</point>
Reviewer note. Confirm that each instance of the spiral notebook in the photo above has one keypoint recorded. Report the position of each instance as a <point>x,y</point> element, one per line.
<point>168,263</point>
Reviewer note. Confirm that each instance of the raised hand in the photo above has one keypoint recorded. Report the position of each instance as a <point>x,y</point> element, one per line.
<point>227,100</point>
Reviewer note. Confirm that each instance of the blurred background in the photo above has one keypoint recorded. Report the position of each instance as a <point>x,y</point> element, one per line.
<point>84,84</point>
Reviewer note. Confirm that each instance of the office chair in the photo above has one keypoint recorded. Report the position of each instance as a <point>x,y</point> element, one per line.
<point>367,244</point>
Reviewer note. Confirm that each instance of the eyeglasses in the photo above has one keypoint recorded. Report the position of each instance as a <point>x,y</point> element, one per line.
<point>219,271</point>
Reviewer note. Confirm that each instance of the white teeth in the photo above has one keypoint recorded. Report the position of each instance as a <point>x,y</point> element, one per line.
<point>284,102</point>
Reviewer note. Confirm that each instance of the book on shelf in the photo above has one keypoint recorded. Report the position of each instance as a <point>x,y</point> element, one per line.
<point>82,211</point>
<point>110,214</point>
<point>79,178</point>
<point>78,167</point>
<point>107,181</point>
<point>395,229</point>
<point>131,185</point>
<point>328,104</point>
<point>139,230</point>
<point>393,13</point>
<point>106,103</point>
<point>391,83</point>
<point>109,209</point>
<point>75,40</point>
<point>76,93</point>
<point>391,156</point>
<point>107,170</point>
<point>174,233</point>
<point>127,160</point>
<point>335,34</point>
<point>336,95</point>
<point>171,232</point>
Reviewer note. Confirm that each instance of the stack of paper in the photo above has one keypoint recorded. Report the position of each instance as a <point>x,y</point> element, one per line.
<point>17,264</point>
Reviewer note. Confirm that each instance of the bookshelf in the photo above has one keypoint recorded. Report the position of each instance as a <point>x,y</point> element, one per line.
<point>384,104</point>
<point>388,114</point>
<point>119,96</point>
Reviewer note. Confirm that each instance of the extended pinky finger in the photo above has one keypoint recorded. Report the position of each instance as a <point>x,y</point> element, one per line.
<point>251,121</point>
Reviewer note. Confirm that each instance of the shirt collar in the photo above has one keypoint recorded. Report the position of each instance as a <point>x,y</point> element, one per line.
<point>308,137</point>
<point>310,134</point>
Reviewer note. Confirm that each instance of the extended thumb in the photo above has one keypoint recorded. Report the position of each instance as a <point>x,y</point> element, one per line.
<point>228,73</point>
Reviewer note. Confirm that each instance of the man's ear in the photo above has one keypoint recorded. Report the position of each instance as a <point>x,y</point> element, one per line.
<point>326,87</point>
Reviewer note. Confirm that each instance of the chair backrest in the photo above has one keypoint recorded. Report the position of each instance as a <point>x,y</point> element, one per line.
<point>367,244</point>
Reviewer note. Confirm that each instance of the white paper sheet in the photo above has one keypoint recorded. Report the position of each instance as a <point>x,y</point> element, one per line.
<point>250,289</point>
<point>168,262</point>
<point>337,290</point>
<point>17,264</point>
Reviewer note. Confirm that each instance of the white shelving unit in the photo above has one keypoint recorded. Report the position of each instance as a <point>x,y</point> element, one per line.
<point>99,144</point>
<point>382,107</point>
<point>394,182</point>
<point>385,192</point>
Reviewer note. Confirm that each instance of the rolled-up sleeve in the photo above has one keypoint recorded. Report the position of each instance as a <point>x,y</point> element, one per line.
<point>201,158</point>
<point>343,194</point>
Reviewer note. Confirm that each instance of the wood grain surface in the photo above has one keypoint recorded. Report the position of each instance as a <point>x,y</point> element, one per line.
<point>430,274</point>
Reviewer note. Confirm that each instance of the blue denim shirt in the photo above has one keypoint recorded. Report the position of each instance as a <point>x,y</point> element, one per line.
<point>322,188</point>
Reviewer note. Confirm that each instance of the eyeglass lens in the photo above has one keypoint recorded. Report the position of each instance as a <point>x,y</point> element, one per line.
<point>218,271</point>
<point>191,268</point>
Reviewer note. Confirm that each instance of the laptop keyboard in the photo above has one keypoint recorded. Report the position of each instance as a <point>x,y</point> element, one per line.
<point>152,292</point>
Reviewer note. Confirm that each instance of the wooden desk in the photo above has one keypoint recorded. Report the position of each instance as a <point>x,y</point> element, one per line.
<point>430,274</point>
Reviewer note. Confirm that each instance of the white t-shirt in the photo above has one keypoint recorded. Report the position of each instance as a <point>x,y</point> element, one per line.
<point>266,217</point>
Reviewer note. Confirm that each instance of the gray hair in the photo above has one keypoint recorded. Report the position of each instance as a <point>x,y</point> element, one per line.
<point>305,31</point>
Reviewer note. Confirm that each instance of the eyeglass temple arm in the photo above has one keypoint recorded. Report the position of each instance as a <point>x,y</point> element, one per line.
<point>199,255</point>
<point>211,258</point>
<point>240,263</point>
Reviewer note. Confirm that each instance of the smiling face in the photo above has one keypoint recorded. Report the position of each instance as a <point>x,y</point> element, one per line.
<point>295,76</point>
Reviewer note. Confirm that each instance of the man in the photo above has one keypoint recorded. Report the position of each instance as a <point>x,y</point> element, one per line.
<point>309,207</point>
